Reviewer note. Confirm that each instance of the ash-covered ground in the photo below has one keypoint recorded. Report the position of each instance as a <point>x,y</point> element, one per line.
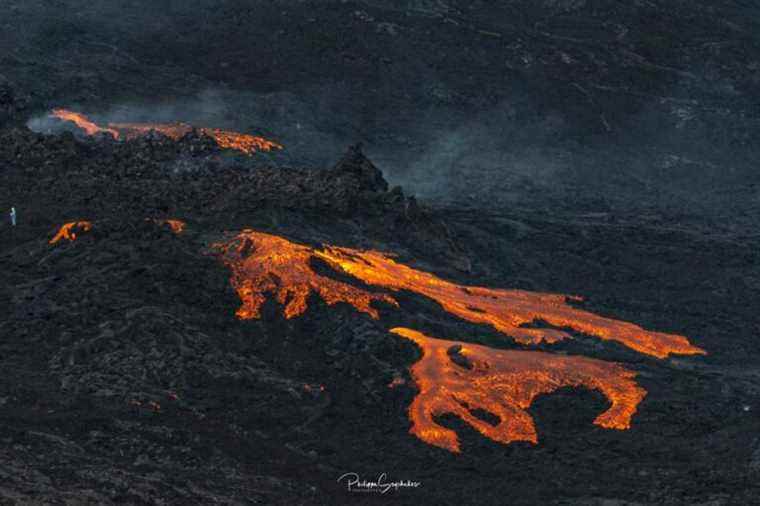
<point>591,148</point>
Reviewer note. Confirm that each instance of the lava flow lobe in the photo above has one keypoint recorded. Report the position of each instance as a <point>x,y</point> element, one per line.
<point>263,263</point>
<point>459,378</point>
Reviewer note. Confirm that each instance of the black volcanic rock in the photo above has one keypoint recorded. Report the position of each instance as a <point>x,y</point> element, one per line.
<point>602,149</point>
<point>354,166</point>
<point>128,375</point>
<point>198,143</point>
<point>12,103</point>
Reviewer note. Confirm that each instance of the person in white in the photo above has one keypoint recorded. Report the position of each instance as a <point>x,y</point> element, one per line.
<point>13,216</point>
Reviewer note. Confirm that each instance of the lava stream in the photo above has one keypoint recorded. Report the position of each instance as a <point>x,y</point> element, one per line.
<point>459,378</point>
<point>264,263</point>
<point>226,139</point>
<point>82,122</point>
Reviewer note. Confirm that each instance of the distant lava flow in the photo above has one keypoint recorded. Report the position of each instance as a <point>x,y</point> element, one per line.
<point>177,226</point>
<point>264,263</point>
<point>460,378</point>
<point>83,122</point>
<point>243,143</point>
<point>69,231</point>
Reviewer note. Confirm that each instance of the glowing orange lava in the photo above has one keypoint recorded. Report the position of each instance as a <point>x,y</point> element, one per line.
<point>460,378</point>
<point>244,143</point>
<point>82,122</point>
<point>277,264</point>
<point>177,226</point>
<point>506,310</point>
<point>263,263</point>
<point>69,231</point>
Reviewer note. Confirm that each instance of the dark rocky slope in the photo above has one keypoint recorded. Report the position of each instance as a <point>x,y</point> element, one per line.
<point>601,148</point>
<point>128,380</point>
<point>622,105</point>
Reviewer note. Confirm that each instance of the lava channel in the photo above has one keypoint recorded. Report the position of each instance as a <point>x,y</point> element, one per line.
<point>83,122</point>
<point>264,263</point>
<point>225,139</point>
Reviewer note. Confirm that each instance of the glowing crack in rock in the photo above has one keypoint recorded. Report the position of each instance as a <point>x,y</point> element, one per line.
<point>263,263</point>
<point>280,266</point>
<point>243,143</point>
<point>459,378</point>
<point>70,230</point>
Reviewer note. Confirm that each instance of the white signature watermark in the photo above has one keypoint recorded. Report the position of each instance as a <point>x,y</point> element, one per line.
<point>382,485</point>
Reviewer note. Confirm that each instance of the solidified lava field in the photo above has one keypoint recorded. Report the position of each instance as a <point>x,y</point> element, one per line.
<point>273,252</point>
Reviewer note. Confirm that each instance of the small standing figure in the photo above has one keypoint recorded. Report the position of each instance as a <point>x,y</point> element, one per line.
<point>13,216</point>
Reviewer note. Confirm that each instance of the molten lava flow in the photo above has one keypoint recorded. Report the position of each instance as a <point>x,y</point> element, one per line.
<point>456,378</point>
<point>244,143</point>
<point>263,263</point>
<point>506,310</point>
<point>459,378</point>
<point>177,226</point>
<point>82,122</point>
<point>69,231</point>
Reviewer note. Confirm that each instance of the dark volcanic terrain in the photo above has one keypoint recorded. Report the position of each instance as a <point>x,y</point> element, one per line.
<point>601,149</point>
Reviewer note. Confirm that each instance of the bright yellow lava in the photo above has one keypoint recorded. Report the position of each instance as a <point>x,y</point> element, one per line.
<point>459,378</point>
